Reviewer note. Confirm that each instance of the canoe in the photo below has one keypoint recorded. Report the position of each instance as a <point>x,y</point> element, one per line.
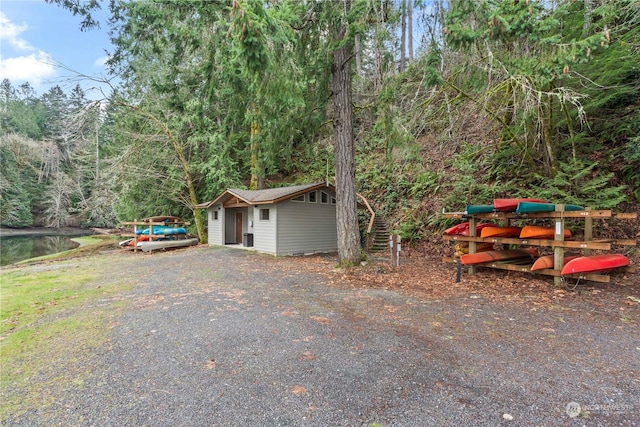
<point>500,232</point>
<point>463,228</point>
<point>591,263</point>
<point>545,262</point>
<point>536,232</point>
<point>476,209</point>
<point>530,207</point>
<point>165,244</point>
<point>510,205</point>
<point>488,256</point>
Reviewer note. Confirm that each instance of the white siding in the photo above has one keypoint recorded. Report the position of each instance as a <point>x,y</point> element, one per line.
<point>230,224</point>
<point>215,227</point>
<point>307,227</point>
<point>264,231</point>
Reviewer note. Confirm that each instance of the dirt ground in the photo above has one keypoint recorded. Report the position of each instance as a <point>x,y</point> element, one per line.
<point>217,336</point>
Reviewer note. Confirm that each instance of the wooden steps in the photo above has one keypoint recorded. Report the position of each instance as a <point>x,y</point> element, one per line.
<point>380,235</point>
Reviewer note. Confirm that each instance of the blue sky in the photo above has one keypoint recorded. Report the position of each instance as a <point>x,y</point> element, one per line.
<point>37,37</point>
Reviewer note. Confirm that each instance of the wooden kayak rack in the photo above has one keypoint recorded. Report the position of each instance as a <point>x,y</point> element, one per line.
<point>150,225</point>
<point>558,243</point>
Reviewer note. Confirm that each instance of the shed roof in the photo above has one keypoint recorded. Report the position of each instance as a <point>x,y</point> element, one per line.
<point>266,196</point>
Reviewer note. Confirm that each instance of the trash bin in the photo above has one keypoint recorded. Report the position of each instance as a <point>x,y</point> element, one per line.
<point>247,239</point>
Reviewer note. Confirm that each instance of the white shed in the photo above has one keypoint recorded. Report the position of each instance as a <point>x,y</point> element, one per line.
<point>294,220</point>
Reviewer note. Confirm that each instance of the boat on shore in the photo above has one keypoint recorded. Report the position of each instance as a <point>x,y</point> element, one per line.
<point>166,244</point>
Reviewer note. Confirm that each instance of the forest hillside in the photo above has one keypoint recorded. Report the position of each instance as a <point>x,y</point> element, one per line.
<point>454,103</point>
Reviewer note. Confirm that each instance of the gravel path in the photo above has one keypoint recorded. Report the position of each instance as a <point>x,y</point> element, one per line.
<point>221,337</point>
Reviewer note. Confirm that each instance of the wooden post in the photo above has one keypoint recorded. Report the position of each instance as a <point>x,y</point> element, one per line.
<point>135,236</point>
<point>558,251</point>
<point>394,246</point>
<point>472,245</point>
<point>588,231</point>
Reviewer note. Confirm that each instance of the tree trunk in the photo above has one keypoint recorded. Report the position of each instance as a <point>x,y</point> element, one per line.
<point>410,28</point>
<point>254,185</point>
<point>403,34</point>
<point>349,252</point>
<point>358,48</point>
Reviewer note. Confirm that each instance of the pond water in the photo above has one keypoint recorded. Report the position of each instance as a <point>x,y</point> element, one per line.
<point>18,248</point>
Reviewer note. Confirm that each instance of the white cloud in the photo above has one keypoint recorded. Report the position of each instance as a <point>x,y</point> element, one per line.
<point>33,68</point>
<point>100,62</point>
<point>10,32</point>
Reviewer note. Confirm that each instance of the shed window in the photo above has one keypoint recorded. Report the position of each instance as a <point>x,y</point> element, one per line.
<point>333,200</point>
<point>324,198</point>
<point>264,214</point>
<point>299,198</point>
<point>215,215</point>
<point>312,197</point>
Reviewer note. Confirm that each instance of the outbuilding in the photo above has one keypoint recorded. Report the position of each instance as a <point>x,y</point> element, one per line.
<point>299,219</point>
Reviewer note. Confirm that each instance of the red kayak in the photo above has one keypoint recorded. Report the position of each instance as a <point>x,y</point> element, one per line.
<point>545,262</point>
<point>463,229</point>
<point>586,264</point>
<point>488,256</point>
<point>510,205</point>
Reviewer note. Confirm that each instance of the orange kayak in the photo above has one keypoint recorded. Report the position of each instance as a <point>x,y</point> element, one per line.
<point>500,232</point>
<point>545,262</point>
<point>488,256</point>
<point>535,232</point>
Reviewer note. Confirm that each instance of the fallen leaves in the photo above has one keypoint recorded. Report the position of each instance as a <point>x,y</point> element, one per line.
<point>321,319</point>
<point>296,389</point>
<point>307,355</point>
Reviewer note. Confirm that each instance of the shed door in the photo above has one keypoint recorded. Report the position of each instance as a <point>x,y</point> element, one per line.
<point>238,227</point>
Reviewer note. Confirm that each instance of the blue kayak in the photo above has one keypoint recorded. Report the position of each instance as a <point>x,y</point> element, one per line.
<point>162,230</point>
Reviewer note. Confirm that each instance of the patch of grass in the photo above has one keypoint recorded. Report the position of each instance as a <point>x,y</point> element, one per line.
<point>53,318</point>
<point>89,245</point>
<point>27,296</point>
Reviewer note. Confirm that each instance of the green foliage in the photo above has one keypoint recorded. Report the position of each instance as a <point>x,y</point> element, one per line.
<point>581,183</point>
<point>21,112</point>
<point>468,182</point>
<point>412,225</point>
<point>19,166</point>
<point>537,88</point>
<point>632,165</point>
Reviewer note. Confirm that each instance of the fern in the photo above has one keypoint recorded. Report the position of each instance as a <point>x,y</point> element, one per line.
<point>581,183</point>
<point>630,170</point>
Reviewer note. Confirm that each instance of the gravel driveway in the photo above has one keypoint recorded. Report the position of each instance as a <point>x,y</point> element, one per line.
<point>223,337</point>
